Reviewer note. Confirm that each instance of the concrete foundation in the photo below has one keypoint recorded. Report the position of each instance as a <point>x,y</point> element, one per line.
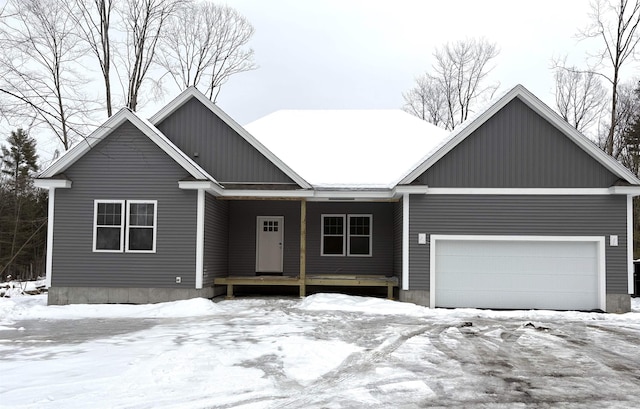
<point>102,295</point>
<point>419,297</point>
<point>618,303</point>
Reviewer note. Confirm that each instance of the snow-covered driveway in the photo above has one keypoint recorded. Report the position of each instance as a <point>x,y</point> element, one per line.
<point>327,351</point>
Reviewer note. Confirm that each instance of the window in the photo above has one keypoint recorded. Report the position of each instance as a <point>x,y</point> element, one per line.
<point>141,226</point>
<point>332,235</point>
<point>356,238</point>
<point>359,235</point>
<point>110,234</point>
<point>108,231</point>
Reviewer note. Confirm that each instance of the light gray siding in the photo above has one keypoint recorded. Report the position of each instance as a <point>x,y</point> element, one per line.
<point>216,239</point>
<point>594,215</point>
<point>221,151</point>
<point>517,148</point>
<point>242,234</point>
<point>381,262</point>
<point>125,165</point>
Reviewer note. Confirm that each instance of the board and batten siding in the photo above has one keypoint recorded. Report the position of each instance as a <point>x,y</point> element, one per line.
<point>525,215</point>
<point>125,165</point>
<point>517,148</point>
<point>242,234</point>
<point>382,260</point>
<point>227,156</point>
<point>216,239</point>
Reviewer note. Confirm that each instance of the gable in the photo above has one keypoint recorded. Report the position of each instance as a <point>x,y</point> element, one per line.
<point>517,148</point>
<point>220,150</point>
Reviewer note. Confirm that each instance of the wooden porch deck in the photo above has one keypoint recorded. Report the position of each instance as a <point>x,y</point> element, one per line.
<point>336,280</point>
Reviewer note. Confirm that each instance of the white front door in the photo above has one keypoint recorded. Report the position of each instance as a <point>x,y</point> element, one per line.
<point>269,244</point>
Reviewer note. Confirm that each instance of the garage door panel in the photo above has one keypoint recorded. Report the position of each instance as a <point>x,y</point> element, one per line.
<point>516,274</point>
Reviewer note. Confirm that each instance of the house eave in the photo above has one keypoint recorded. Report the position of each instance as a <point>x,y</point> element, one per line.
<point>49,183</point>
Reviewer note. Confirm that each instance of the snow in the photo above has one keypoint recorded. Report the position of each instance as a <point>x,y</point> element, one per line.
<point>347,148</point>
<point>327,350</point>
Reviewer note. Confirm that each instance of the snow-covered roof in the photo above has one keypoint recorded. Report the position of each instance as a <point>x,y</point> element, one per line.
<point>347,148</point>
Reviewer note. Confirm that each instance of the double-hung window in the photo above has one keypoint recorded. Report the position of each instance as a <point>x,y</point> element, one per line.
<point>349,235</point>
<point>128,226</point>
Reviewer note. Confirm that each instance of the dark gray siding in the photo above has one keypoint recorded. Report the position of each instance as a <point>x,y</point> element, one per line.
<point>397,239</point>
<point>126,165</point>
<point>242,234</point>
<point>595,215</point>
<point>517,148</point>
<point>221,151</point>
<point>381,262</point>
<point>216,239</point>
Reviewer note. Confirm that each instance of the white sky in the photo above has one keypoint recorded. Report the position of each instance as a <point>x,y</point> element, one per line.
<point>335,54</point>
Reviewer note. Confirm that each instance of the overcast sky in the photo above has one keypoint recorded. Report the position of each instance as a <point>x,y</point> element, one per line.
<point>335,54</point>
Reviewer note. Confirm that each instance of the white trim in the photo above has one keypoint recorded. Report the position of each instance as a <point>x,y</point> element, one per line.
<point>405,241</point>
<point>344,234</point>
<point>370,235</point>
<point>200,239</point>
<point>50,220</point>
<point>280,219</point>
<point>154,227</point>
<point>519,191</point>
<point>52,183</point>
<point>630,245</point>
<point>415,189</point>
<point>543,110</point>
<point>599,240</point>
<point>95,224</point>
<point>201,184</point>
<point>190,92</point>
<point>267,193</point>
<point>625,190</point>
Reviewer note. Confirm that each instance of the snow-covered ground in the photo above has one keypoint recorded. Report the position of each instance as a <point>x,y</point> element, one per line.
<point>326,351</point>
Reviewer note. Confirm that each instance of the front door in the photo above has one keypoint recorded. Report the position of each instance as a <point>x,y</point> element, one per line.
<point>269,244</point>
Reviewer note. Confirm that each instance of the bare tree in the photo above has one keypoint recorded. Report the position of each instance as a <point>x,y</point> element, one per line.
<point>204,44</point>
<point>37,64</point>
<point>93,22</point>
<point>426,100</point>
<point>615,24</point>
<point>580,96</point>
<point>143,22</point>
<point>459,74</point>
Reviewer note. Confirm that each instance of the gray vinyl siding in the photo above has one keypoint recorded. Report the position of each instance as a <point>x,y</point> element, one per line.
<point>381,262</point>
<point>125,165</point>
<point>594,215</point>
<point>223,153</point>
<point>397,239</point>
<point>517,148</point>
<point>216,239</point>
<point>242,234</point>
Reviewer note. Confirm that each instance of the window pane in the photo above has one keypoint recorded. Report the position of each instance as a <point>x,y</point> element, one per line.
<point>333,245</point>
<point>109,214</point>
<point>141,214</point>
<point>140,239</point>
<point>359,245</point>
<point>359,225</point>
<point>333,225</point>
<point>108,238</point>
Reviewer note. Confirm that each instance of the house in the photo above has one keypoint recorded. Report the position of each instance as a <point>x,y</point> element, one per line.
<point>514,209</point>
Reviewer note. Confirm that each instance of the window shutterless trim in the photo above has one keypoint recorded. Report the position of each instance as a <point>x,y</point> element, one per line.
<point>154,227</point>
<point>370,235</point>
<point>343,235</point>
<point>95,225</point>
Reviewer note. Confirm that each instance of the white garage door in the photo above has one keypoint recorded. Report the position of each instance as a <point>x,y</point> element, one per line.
<point>518,272</point>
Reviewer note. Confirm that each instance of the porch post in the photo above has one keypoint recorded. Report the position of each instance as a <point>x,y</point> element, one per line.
<point>303,247</point>
<point>200,238</point>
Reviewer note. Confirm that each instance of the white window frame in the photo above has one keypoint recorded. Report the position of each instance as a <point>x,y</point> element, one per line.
<point>154,227</point>
<point>370,235</point>
<point>95,225</point>
<point>343,235</point>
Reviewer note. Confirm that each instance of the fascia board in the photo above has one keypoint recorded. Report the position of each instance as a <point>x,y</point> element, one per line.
<point>52,183</point>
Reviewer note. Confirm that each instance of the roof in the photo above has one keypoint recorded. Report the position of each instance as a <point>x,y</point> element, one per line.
<point>148,129</point>
<point>347,148</point>
<point>519,91</point>
<point>193,92</point>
